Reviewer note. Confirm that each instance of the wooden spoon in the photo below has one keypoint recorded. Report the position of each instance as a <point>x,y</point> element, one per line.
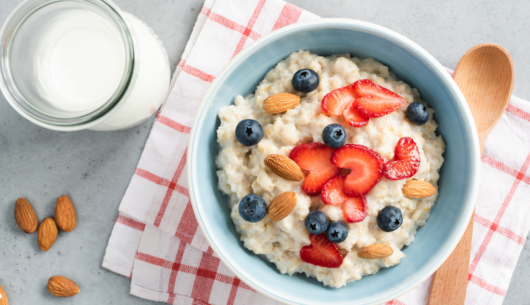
<point>485,75</point>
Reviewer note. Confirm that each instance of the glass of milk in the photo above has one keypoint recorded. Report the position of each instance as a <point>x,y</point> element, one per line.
<point>81,64</point>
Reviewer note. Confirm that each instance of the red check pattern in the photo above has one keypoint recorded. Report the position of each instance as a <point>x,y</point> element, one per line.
<point>156,240</point>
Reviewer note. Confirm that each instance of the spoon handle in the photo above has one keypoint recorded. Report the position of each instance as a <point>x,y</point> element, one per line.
<point>449,284</point>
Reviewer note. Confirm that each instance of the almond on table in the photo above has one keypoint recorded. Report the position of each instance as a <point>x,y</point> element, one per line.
<point>25,216</point>
<point>62,287</point>
<point>3,297</point>
<point>65,216</point>
<point>47,234</point>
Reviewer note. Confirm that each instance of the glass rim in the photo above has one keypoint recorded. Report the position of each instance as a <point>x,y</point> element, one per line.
<point>24,106</point>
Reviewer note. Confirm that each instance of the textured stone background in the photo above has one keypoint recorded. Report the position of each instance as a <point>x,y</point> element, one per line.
<point>94,168</point>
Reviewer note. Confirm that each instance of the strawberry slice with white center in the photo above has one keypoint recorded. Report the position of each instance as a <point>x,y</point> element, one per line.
<point>375,101</point>
<point>333,191</point>
<point>365,165</point>
<point>321,252</point>
<point>353,116</point>
<point>353,208</point>
<point>406,161</point>
<point>316,159</point>
<point>341,102</point>
<point>337,100</point>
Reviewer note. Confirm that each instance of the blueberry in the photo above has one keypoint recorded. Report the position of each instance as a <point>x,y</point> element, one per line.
<point>417,113</point>
<point>334,135</point>
<point>249,132</point>
<point>252,208</point>
<point>389,219</point>
<point>316,222</point>
<point>305,80</point>
<point>337,232</point>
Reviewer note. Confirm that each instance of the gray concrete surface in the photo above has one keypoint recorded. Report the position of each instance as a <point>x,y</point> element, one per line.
<point>94,168</point>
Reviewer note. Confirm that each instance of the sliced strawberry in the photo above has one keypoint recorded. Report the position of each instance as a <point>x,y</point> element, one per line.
<point>374,107</point>
<point>354,117</point>
<point>375,101</point>
<point>337,100</point>
<point>365,165</point>
<point>333,191</point>
<point>321,252</point>
<point>354,209</point>
<point>400,169</point>
<point>381,160</point>
<point>366,87</point>
<point>406,161</point>
<point>315,158</point>
<point>406,149</point>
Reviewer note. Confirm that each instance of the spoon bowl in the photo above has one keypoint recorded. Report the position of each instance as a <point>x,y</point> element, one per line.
<point>485,75</point>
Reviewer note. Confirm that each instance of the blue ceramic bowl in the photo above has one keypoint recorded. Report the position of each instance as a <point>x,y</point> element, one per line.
<point>457,184</point>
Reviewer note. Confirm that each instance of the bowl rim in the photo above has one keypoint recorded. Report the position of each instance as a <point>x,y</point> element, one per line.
<point>395,37</point>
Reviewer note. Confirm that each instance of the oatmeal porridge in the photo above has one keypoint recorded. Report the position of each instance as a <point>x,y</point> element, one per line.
<point>286,241</point>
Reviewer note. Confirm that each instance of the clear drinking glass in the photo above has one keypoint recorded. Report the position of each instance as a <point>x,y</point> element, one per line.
<point>77,64</point>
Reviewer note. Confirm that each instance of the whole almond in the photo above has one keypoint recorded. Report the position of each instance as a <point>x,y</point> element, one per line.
<point>418,189</point>
<point>25,216</point>
<point>284,167</point>
<point>281,206</point>
<point>280,102</point>
<point>47,234</point>
<point>62,287</point>
<point>3,297</point>
<point>375,251</point>
<point>65,217</point>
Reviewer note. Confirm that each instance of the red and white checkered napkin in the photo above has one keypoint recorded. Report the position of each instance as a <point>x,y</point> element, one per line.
<point>156,240</point>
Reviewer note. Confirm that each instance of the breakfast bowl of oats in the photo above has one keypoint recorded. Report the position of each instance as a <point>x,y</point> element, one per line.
<point>333,161</point>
